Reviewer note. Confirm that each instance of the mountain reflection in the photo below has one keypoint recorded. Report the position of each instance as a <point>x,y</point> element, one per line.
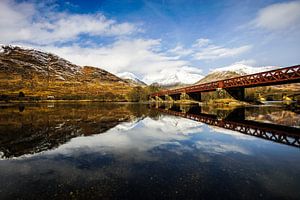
<point>35,128</point>
<point>124,151</point>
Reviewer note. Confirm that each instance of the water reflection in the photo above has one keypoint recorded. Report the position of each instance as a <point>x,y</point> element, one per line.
<point>136,152</point>
<point>41,127</point>
<point>242,120</point>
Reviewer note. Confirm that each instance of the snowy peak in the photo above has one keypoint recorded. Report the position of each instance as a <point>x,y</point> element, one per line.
<point>232,71</point>
<point>127,75</point>
<point>172,77</point>
<point>131,78</point>
<point>243,69</point>
<point>1,48</point>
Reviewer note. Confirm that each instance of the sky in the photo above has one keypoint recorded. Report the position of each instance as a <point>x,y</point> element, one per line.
<point>153,38</point>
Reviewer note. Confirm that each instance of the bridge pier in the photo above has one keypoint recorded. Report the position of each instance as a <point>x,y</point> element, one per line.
<point>237,93</point>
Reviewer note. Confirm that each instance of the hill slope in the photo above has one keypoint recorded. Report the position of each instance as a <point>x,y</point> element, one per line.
<point>38,74</point>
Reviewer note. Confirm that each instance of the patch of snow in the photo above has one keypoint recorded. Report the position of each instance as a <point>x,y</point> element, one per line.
<point>243,69</point>
<point>127,75</point>
<point>130,76</point>
<point>58,77</point>
<point>1,48</point>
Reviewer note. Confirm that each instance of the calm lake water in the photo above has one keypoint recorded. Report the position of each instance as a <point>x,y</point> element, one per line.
<point>128,151</point>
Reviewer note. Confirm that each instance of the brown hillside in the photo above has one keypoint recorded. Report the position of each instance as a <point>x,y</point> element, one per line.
<point>40,75</point>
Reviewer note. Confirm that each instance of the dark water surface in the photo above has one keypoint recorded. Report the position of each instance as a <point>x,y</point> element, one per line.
<point>128,151</point>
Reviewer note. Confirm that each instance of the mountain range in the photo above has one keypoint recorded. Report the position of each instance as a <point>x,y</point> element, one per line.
<point>182,77</point>
<point>40,75</point>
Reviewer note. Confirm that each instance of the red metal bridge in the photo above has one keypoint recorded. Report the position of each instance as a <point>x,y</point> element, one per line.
<point>235,86</point>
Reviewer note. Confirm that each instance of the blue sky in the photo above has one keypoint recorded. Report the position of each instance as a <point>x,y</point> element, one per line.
<point>152,38</point>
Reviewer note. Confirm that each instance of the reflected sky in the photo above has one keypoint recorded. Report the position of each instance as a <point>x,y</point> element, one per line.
<point>153,158</point>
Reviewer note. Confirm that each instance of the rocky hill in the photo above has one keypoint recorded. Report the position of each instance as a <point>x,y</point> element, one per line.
<point>44,75</point>
<point>215,76</point>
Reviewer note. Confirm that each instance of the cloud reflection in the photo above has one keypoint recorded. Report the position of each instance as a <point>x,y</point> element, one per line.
<point>139,136</point>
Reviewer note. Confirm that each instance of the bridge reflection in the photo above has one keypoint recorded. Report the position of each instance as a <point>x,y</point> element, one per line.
<point>235,120</point>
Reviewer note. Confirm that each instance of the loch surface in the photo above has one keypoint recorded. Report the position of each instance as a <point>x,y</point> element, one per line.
<point>140,151</point>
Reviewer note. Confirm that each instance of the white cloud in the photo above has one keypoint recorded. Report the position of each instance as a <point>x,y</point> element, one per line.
<point>204,49</point>
<point>139,56</point>
<point>202,42</point>
<point>213,52</point>
<point>135,137</point>
<point>279,16</point>
<point>250,62</point>
<point>218,147</point>
<point>179,50</point>
<point>24,22</point>
<point>142,57</point>
<point>42,27</point>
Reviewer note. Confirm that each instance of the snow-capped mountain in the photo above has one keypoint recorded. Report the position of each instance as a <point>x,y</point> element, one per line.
<point>243,69</point>
<point>173,77</point>
<point>233,70</point>
<point>131,78</point>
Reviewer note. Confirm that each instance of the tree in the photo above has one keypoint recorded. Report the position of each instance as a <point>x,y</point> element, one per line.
<point>21,94</point>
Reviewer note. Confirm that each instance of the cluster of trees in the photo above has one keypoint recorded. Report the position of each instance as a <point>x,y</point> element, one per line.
<point>140,94</point>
